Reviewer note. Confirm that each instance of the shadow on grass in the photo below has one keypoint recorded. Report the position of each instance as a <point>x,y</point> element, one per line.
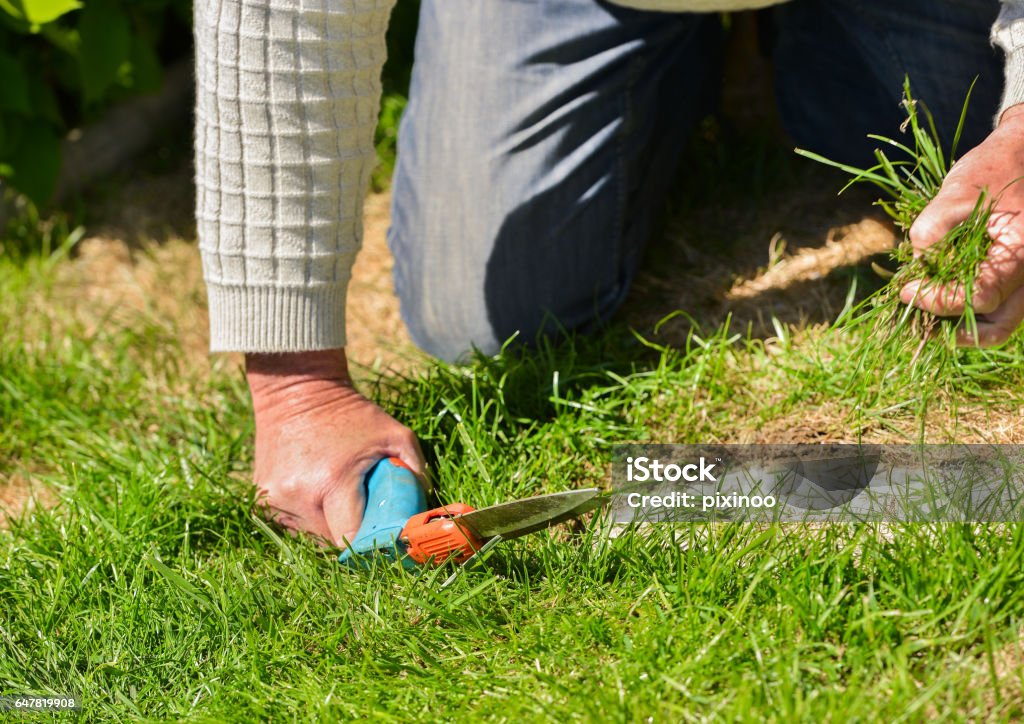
<point>753,233</point>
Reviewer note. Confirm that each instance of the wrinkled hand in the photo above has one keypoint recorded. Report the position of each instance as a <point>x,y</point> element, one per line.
<point>997,165</point>
<point>316,437</point>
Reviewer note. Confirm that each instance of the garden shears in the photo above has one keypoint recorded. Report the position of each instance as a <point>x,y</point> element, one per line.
<point>397,526</point>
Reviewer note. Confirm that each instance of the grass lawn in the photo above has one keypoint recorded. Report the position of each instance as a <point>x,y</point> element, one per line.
<point>142,582</point>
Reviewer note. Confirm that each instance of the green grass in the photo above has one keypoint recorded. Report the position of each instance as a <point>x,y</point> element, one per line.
<point>917,350</point>
<point>147,586</point>
<point>151,590</point>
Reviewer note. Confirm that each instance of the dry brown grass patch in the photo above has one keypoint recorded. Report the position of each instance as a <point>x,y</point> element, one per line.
<point>19,493</point>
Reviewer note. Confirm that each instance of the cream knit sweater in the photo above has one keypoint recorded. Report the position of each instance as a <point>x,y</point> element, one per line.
<point>286,104</point>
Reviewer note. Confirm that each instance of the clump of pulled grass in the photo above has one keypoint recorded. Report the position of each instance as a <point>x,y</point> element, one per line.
<point>901,356</point>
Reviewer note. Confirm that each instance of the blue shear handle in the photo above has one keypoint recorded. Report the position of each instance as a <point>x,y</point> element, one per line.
<point>393,495</point>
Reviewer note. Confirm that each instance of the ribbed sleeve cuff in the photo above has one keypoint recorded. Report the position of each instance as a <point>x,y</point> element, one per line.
<point>1013,90</point>
<point>1008,34</point>
<point>276,319</point>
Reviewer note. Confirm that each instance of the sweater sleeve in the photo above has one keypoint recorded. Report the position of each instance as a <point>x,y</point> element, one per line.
<point>287,96</point>
<point>1008,34</point>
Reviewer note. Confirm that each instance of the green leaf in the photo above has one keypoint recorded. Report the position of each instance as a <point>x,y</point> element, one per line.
<point>11,9</point>
<point>106,46</point>
<point>35,161</point>
<point>44,103</point>
<point>39,12</point>
<point>146,73</point>
<point>14,86</point>
<point>66,39</point>
<point>13,125</point>
<point>11,19</point>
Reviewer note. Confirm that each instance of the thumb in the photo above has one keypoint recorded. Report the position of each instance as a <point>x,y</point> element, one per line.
<point>943,213</point>
<point>406,447</point>
<point>343,507</point>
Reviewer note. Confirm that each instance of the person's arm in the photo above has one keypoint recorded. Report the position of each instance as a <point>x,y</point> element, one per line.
<point>1008,34</point>
<point>286,103</point>
<point>997,164</point>
<point>287,96</point>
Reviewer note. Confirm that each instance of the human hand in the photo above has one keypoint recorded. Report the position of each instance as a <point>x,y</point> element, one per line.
<point>996,165</point>
<point>316,437</point>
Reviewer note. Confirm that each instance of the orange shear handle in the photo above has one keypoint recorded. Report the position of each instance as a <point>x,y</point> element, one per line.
<point>435,536</point>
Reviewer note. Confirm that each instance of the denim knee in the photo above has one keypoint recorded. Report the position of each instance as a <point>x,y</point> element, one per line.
<point>531,160</point>
<point>440,319</point>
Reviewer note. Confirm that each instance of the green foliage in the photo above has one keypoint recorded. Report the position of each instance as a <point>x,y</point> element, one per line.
<point>35,161</point>
<point>38,12</point>
<point>106,41</point>
<point>63,62</point>
<point>151,590</point>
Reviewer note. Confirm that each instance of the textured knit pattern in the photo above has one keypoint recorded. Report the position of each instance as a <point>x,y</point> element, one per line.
<point>1008,34</point>
<point>286,105</point>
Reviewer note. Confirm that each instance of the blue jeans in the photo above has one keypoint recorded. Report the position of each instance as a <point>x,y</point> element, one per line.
<point>541,136</point>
